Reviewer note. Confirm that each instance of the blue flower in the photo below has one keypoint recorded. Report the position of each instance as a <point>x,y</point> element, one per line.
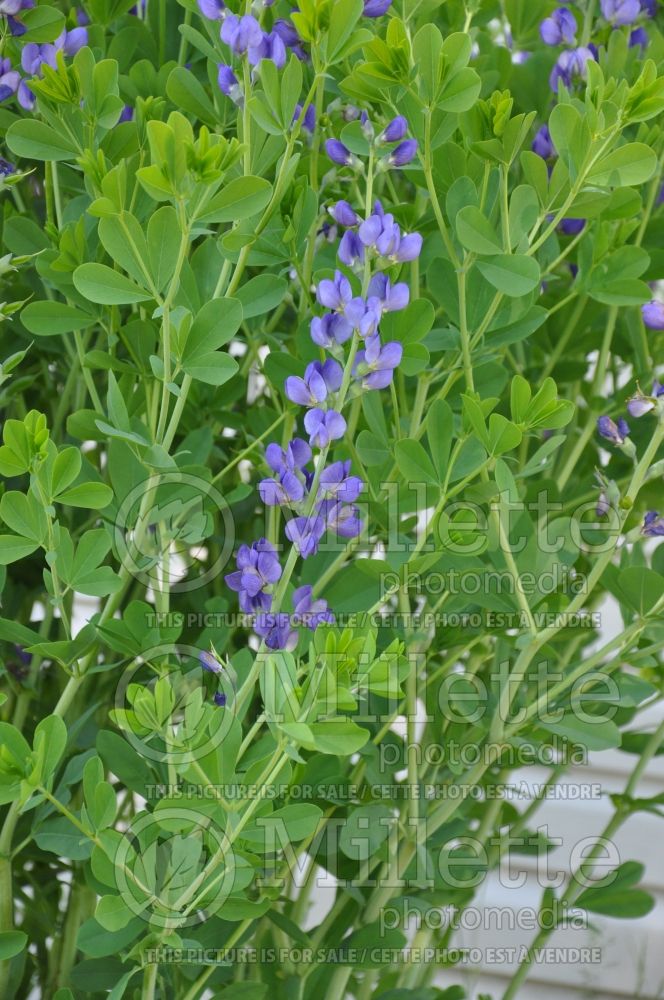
<point>330,329</point>
<point>344,214</point>
<point>309,120</point>
<point>229,84</point>
<point>543,144</point>
<point>395,130</point>
<point>653,315</point>
<point>305,533</point>
<point>212,9</point>
<point>653,525</point>
<point>614,432</point>
<point>559,28</point>
<point>257,568</point>
<point>382,234</point>
<point>339,153</point>
<point>241,33</point>
<point>336,483</point>
<point>351,249</point>
<point>324,426</point>
<point>375,365</point>
<point>271,46</point>
<point>570,66</point>
<point>319,380</point>
<point>640,404</point>
<point>308,612</point>
<point>275,630</point>
<point>620,12</point>
<point>403,154</point>
<point>376,8</point>
<point>291,479</point>
<point>209,662</point>
<point>391,298</point>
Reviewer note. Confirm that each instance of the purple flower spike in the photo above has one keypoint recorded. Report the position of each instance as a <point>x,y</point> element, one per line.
<point>343,519</point>
<point>615,433</point>
<point>620,12</point>
<point>571,227</point>
<point>392,298</point>
<point>319,379</point>
<point>410,247</point>
<point>335,294</point>
<point>653,315</point>
<point>241,33</point>
<point>395,130</point>
<point>331,329</point>
<point>9,80</point>
<point>338,153</point>
<point>271,46</point>
<point>639,37</point>
<point>74,40</point>
<point>376,364</point>
<point>559,28</point>
<point>403,154</point>
<point>212,9</point>
<point>257,568</point>
<point>376,8</point>
<point>543,144</point>
<point>308,612</point>
<point>337,484</point>
<point>571,66</point>
<point>25,96</point>
<point>289,36</point>
<point>323,427</point>
<point>309,120</point>
<point>209,662</point>
<point>653,525</point>
<point>229,84</point>
<point>288,486</point>
<point>305,533</point>
<point>275,631</point>
<point>219,699</point>
<point>640,404</point>
<point>344,214</point>
<point>649,7</point>
<point>351,249</point>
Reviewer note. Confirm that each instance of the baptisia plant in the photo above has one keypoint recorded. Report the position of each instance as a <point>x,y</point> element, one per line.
<point>332,455</point>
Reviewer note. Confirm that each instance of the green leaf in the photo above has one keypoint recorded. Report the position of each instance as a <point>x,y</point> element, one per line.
<point>344,17</point>
<point>37,141</point>
<point>414,463</point>
<point>513,275</point>
<point>339,736</point>
<point>186,93</point>
<point>595,734</point>
<point>261,295</point>
<point>614,895</point>
<point>364,830</point>
<point>101,284</point>
<point>640,588</point>
<point>503,435</point>
<point>427,50</point>
<point>13,548</point>
<point>12,943</point>
<point>164,237</point>
<point>215,324</point>
<point>440,431</point>
<point>371,449</point>
<point>113,913</point>
<point>91,496</point>
<point>634,163</point>
<point>239,199</point>
<point>476,233</point>
<point>50,319</point>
